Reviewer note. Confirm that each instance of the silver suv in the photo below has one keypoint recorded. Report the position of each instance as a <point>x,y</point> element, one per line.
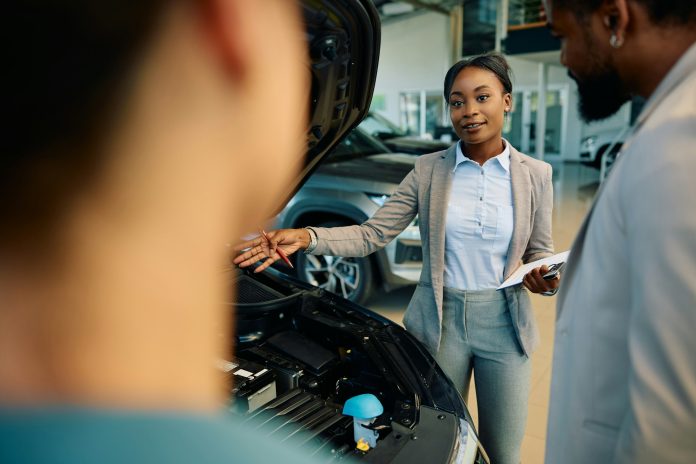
<point>349,186</point>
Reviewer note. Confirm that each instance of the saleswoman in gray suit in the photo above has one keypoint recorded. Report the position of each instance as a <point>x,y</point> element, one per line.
<point>484,210</point>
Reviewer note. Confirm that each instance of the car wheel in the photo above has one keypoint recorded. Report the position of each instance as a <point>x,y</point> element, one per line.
<point>597,162</point>
<point>351,278</point>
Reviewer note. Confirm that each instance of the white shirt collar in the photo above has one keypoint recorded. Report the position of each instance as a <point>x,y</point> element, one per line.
<point>503,158</point>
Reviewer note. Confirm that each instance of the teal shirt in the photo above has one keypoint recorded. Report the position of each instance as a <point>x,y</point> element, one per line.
<point>67,436</point>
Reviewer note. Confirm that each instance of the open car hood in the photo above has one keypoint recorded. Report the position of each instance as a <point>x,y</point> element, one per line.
<point>302,353</point>
<point>343,40</point>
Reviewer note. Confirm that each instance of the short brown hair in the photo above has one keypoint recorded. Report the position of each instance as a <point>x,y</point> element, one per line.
<point>66,63</point>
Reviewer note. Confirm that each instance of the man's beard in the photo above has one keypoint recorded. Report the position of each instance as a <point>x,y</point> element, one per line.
<point>601,93</point>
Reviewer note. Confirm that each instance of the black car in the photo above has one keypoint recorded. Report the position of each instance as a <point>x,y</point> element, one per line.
<point>302,352</point>
<point>396,139</point>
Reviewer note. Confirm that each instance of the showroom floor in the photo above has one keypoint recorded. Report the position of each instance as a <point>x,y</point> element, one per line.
<point>574,188</point>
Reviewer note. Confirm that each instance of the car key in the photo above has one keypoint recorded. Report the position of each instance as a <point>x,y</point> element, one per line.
<point>554,271</point>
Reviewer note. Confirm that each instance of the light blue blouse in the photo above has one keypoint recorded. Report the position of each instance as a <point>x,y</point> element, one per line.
<point>479,222</point>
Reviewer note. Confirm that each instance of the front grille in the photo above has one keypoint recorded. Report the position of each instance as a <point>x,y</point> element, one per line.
<point>408,251</point>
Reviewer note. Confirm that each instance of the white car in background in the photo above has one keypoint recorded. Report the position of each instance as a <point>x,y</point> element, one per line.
<point>596,147</point>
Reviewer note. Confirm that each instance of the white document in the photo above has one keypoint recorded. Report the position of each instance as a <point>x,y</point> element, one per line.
<point>518,275</point>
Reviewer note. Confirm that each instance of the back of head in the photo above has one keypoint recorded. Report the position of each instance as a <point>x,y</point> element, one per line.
<point>67,62</point>
<point>136,134</point>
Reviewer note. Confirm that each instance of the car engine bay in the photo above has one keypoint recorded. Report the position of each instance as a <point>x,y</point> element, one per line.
<point>301,353</point>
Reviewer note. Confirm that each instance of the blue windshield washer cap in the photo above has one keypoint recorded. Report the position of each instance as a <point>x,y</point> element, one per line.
<point>364,406</point>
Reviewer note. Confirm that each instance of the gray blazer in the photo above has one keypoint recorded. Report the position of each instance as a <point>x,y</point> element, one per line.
<point>623,386</point>
<point>425,191</point>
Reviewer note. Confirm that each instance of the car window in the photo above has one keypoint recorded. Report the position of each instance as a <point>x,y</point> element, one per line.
<point>377,125</point>
<point>357,144</point>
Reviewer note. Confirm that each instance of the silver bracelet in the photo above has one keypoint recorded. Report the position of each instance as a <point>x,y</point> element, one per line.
<point>312,240</point>
<point>550,292</point>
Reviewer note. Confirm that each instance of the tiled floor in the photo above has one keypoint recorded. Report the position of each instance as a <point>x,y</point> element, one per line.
<point>574,187</point>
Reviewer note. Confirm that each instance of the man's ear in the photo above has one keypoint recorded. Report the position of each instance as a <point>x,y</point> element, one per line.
<point>224,23</point>
<point>616,16</point>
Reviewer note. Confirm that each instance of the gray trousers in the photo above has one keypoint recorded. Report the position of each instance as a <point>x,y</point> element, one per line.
<point>477,334</point>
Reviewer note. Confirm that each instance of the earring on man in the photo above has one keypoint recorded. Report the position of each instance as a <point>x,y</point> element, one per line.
<point>615,41</point>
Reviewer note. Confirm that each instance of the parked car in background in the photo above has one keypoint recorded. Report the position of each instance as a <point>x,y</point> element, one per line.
<point>396,139</point>
<point>594,147</point>
<point>350,185</point>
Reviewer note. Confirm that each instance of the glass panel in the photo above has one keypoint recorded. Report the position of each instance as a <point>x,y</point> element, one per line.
<point>533,104</point>
<point>434,111</point>
<point>512,130</point>
<point>554,122</point>
<point>409,109</point>
<point>479,26</point>
<point>525,12</point>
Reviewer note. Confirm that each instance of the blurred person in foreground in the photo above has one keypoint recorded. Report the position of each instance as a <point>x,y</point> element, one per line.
<point>128,126</point>
<point>623,386</point>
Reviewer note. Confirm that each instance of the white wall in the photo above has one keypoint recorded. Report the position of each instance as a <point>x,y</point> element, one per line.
<point>414,56</point>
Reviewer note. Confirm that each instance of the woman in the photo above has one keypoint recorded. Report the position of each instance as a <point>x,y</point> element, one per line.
<point>484,210</point>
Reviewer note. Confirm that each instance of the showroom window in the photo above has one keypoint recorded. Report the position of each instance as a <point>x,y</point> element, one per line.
<point>479,26</point>
<point>424,113</point>
<point>520,127</point>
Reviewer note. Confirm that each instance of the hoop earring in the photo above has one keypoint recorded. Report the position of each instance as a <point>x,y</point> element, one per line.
<point>615,41</point>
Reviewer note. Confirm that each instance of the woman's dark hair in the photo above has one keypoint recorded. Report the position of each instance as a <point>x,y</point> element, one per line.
<point>493,62</point>
<point>66,71</point>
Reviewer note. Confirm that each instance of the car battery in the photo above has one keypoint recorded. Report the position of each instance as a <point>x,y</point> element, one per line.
<point>253,385</point>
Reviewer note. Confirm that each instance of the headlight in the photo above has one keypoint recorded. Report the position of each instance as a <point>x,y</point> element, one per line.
<point>588,142</point>
<point>377,199</point>
<point>467,447</point>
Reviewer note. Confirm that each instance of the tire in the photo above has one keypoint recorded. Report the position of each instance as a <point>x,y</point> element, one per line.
<point>611,155</point>
<point>350,278</point>
<point>597,162</point>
